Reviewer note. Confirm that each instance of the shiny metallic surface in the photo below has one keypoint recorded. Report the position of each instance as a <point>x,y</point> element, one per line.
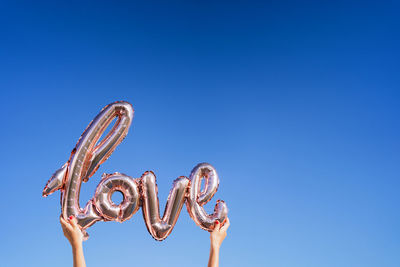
<point>130,203</point>
<point>86,158</point>
<point>157,227</point>
<point>56,181</point>
<point>89,153</point>
<point>197,197</point>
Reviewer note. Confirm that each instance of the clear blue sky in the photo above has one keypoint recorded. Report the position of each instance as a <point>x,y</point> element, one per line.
<point>295,103</point>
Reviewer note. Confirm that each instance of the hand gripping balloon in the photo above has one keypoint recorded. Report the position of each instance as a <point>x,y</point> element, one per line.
<point>87,156</point>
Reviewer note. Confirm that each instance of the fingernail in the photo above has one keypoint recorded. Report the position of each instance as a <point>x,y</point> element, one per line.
<point>217,222</point>
<point>70,217</point>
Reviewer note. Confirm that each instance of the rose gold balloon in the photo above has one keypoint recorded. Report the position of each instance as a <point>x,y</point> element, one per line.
<point>130,191</point>
<point>89,153</point>
<point>198,198</point>
<point>157,227</point>
<point>86,158</point>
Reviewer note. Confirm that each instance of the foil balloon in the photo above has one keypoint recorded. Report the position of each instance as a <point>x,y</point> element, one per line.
<point>157,227</point>
<point>128,187</point>
<point>197,197</point>
<point>90,152</point>
<point>86,158</point>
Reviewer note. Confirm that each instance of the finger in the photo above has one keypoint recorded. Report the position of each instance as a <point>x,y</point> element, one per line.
<point>224,221</point>
<point>216,226</point>
<point>67,228</point>
<point>63,221</point>
<point>226,225</point>
<point>65,225</point>
<point>73,221</point>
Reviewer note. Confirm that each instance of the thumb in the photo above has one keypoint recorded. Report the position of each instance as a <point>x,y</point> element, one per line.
<point>217,226</point>
<point>73,220</point>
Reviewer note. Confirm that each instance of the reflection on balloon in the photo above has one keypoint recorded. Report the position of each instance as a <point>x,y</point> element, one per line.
<point>198,198</point>
<point>86,158</point>
<point>106,207</point>
<point>161,228</point>
<point>90,152</point>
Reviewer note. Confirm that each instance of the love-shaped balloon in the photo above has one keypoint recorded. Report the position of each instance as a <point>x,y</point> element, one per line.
<point>90,152</point>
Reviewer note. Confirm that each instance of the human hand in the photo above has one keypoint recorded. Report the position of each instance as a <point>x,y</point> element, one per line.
<point>72,231</point>
<point>219,233</point>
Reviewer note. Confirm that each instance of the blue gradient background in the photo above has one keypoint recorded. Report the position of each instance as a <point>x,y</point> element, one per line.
<point>295,103</point>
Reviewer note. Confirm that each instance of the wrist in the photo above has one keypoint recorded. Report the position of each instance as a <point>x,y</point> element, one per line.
<point>215,246</point>
<point>76,245</point>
